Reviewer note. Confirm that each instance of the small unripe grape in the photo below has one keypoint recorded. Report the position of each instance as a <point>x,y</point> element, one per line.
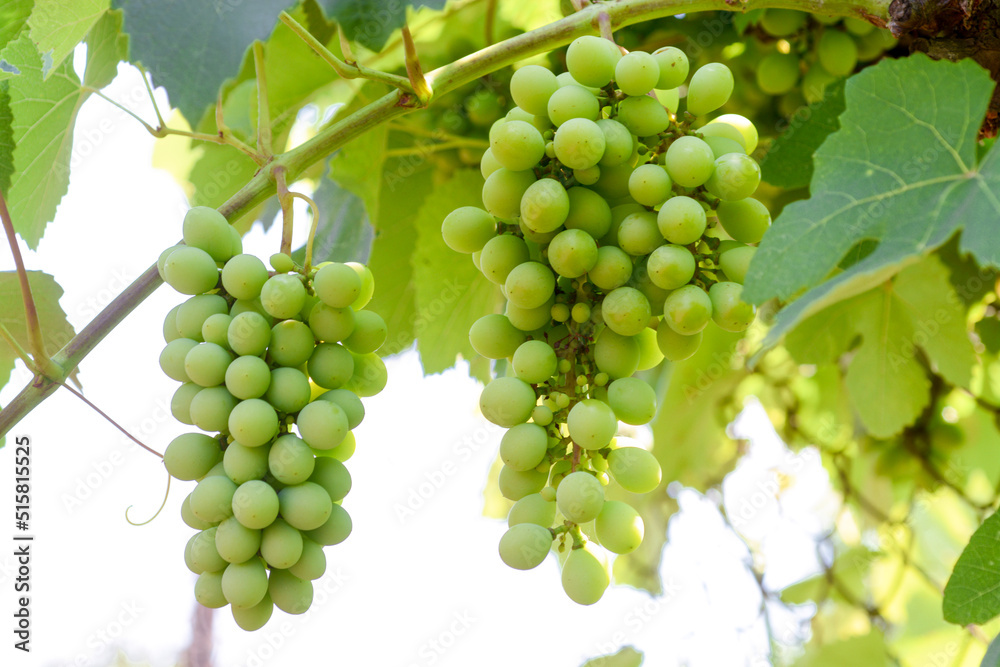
<point>533,508</point>
<point>675,346</point>
<point>337,285</point>
<point>687,310</point>
<point>649,184</point>
<point>745,220</point>
<point>255,504</point>
<point>570,102</point>
<point>643,116</point>
<point>529,285</point>
<point>544,206</point>
<point>639,233</point>
<point>190,271</point>
<point>736,177</point>
<point>580,497</point>
<point>635,469</point>
<point>837,52</point>
<point>591,60</point>
<point>249,334</point>
<point>525,545</point>
<point>531,87</point>
<point>281,262</point>
<point>619,144</point>
<point>503,190</point>
<point>283,295</point>
<point>253,422</point>
<point>612,269</point>
<point>588,211</point>
<point>523,446</point>
<point>584,578</point>
<point>736,262</point>
<point>572,253</point>
<point>515,484</point>
<point>244,276</point>
<point>191,455</point>
<point>674,67</point>
<point>626,311</point>
<point>592,424</point>
<point>210,409</point>
<point>671,266</point>
<point>467,229</point>
<point>291,343</point>
<point>616,355</point>
<point>322,424</point>
<point>729,311</point>
<point>633,401</point>
<point>534,361</point>
<point>619,527</point>
<point>710,88</point>
<point>207,229</point>
<point>507,401</point>
<point>689,161</point>
<point>637,73</point>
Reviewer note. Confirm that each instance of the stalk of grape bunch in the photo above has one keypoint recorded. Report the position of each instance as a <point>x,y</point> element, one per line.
<point>273,366</point>
<point>618,229</point>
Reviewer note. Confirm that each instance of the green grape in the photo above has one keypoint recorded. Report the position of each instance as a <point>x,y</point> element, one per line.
<point>689,161</point>
<point>681,220</point>
<point>367,285</point>
<point>280,545</point>
<point>349,403</point>
<point>524,546</point>
<point>215,329</point>
<point>616,355</point>
<point>517,145</point>
<point>235,542</point>
<point>673,65</point>
<point>612,268</point>
<point>205,364</point>
<point>208,590</point>
<point>336,529</point>
<point>613,183</point>
<point>675,346</point>
<point>488,164</point>
<point>331,365</point>
<point>643,116</point>
<point>814,84</point>
<point>544,206</point>
<point>619,527</point>
<point>244,276</point>
<point>633,401</point>
<point>305,506</point>
<point>248,377</point>
<point>618,214</point>
<point>467,229</point>
<point>729,311</point>
<point>180,402</point>
<point>289,390</point>
<point>777,73</point>
<point>580,313</point>
<point>580,496</point>
<point>529,285</point>
<point>245,584</point>
<point>255,617</point>
<point>170,331</point>
<point>201,554</point>
<point>619,144</point>
<point>592,424</point>
<point>538,238</point>
<point>523,447</point>
<point>671,266</point>
<point>542,415</point>
<point>736,262</point>
<point>591,60</point>
<point>639,234</point>
<point>369,376</point>
<point>588,211</point>
<point>570,102</point>
<point>341,452</point>
<point>530,319</point>
<point>162,258</point>
<point>635,469</point>
<point>723,145</point>
<point>560,312</point>
<point>858,27</point>
<point>534,361</point>
<point>282,263</point>
<point>507,401</point>
<point>531,87</point>
<point>312,564</point>
<point>626,311</point>
<point>253,422</point>
<point>584,578</point>
<point>671,99</point>
<point>649,352</point>
<point>710,88</point>
<point>290,460</point>
<point>193,313</point>
<point>333,476</point>
<point>579,143</point>
<point>483,107</point>
<point>572,253</point>
<point>289,593</point>
<point>255,504</point>
<point>687,310</point>
<point>190,271</point>
<point>837,53</point>
<point>587,176</point>
<point>212,499</point>
<point>649,185</point>
<point>742,124</point>
<point>210,409</point>
<point>637,73</point>
<point>494,337</point>
<point>736,176</point>
<point>516,484</point>
<point>782,22</point>
<point>745,220</point>
<point>722,130</point>
<point>191,455</point>
<point>331,324</point>
<point>322,424</point>
<point>249,334</point>
<point>283,295</point>
<point>503,190</point>
<point>532,508</point>
<point>243,464</point>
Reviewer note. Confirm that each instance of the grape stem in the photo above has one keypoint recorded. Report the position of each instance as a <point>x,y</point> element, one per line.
<point>312,229</point>
<point>287,210</point>
<point>113,422</point>
<point>263,109</point>
<point>399,102</point>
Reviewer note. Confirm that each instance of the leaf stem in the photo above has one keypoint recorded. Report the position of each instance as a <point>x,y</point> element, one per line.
<point>18,350</point>
<point>263,109</point>
<point>287,210</point>
<point>491,16</point>
<point>113,422</point>
<point>312,229</point>
<point>415,73</point>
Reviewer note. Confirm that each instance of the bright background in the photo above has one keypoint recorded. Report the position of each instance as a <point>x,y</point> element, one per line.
<point>419,581</point>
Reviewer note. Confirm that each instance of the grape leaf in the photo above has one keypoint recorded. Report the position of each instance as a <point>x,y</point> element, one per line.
<point>56,330</point>
<point>57,26</point>
<point>973,591</point>
<point>916,312</point>
<point>992,657</point>
<point>867,650</point>
<point>13,17</point>
<point>448,302</point>
<point>343,233</point>
<point>625,657</point>
<point>788,163</point>
<point>106,47</point>
<point>192,46</point>
<point>370,22</point>
<point>901,171</point>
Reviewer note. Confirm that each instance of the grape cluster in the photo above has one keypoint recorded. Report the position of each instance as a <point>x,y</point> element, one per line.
<point>260,352</point>
<point>617,232</point>
<point>801,53</point>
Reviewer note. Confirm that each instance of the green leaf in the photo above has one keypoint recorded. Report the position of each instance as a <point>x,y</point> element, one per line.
<point>192,46</point>
<point>902,171</point>
<point>219,173</point>
<point>789,161</point>
<point>370,22</point>
<point>13,17</point>
<point>343,233</point>
<point>807,590</point>
<point>353,165</point>
<point>44,114</point>
<point>57,26</point>
<point>867,650</point>
<point>106,47</point>
<point>625,657</point>
<point>992,657</point>
<point>56,330</point>
<point>448,301</point>
<point>973,591</point>
<point>915,312</point>
<point>6,139</point>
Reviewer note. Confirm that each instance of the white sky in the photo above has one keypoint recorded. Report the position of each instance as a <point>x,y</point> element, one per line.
<point>428,590</point>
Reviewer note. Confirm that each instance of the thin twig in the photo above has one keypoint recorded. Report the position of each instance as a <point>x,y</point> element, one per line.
<point>113,422</point>
<point>414,71</point>
<point>312,228</point>
<point>287,211</point>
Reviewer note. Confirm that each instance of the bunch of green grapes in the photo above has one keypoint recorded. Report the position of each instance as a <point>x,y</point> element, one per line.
<point>618,231</point>
<point>803,53</point>
<point>273,365</point>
